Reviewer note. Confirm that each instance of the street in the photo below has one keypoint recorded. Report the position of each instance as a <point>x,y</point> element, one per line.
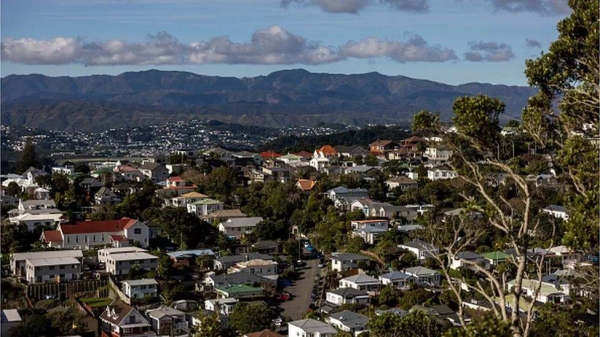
<point>301,291</point>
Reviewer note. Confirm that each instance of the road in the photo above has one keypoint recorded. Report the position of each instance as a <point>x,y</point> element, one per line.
<point>301,291</point>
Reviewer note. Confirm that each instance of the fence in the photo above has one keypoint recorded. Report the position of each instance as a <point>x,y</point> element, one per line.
<point>40,291</point>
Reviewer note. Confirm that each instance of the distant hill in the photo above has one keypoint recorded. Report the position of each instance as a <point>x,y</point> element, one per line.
<point>288,97</point>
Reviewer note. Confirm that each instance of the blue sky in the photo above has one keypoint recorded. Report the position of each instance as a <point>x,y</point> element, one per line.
<point>450,41</point>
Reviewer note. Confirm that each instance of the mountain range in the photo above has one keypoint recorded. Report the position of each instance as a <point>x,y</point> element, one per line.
<point>283,98</point>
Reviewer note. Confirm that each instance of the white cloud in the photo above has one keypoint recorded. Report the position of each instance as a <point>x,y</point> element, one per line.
<point>355,6</point>
<point>272,45</point>
<point>489,52</point>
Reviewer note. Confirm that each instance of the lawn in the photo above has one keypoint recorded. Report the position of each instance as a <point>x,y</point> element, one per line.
<point>96,302</point>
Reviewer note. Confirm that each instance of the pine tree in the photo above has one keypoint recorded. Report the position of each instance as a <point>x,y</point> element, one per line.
<point>28,157</point>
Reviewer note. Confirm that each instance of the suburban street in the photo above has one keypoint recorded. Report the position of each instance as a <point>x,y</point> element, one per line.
<point>301,291</point>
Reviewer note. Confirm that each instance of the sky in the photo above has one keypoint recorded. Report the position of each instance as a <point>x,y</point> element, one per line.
<point>448,41</point>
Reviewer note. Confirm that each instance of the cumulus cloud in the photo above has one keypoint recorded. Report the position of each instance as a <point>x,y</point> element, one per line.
<point>272,45</point>
<point>355,6</point>
<point>543,7</point>
<point>488,52</point>
<point>531,43</point>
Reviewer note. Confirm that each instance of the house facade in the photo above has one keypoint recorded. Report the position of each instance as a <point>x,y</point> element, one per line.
<point>342,296</point>
<point>56,269</point>
<point>120,320</point>
<point>120,264</point>
<point>140,289</point>
<point>310,328</point>
<point>239,226</point>
<point>341,262</point>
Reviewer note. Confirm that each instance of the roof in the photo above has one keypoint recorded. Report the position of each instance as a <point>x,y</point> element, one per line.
<point>420,271</point>
<point>555,208</point>
<point>120,310</point>
<point>52,236</point>
<point>402,180</point>
<point>371,230</point>
<point>395,275</point>
<point>361,278</point>
<point>350,319</point>
<point>119,238</point>
<point>206,201</point>
<point>10,315</point>
<point>242,222</point>
<point>47,203</point>
<point>312,326</point>
<point>47,254</point>
<point>176,178</point>
<point>142,282</point>
<point>265,244</point>
<point>264,333</point>
<point>163,311</point>
<point>53,261</point>
<point>226,213</point>
<point>497,255</point>
<point>380,142</point>
<point>237,278</point>
<point>97,226</point>
<point>468,256</point>
<point>327,150</point>
<point>421,245</point>
<point>269,154</point>
<point>191,195</point>
<point>304,154</point>
<point>192,252</point>
<point>150,166</point>
<point>239,288</point>
<point>104,191</point>
<point>132,256</point>
<point>306,184</point>
<point>257,263</point>
<point>239,258</point>
<point>348,257</point>
<point>348,292</point>
<point>395,311</point>
<point>122,250</point>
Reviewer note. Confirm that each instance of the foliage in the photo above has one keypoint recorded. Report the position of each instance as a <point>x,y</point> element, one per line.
<point>478,117</point>
<point>425,123</point>
<point>355,245</point>
<point>556,320</point>
<point>413,297</point>
<point>247,318</point>
<point>415,324</point>
<point>183,228</point>
<point>28,157</point>
<point>389,296</point>
<point>34,324</point>
<point>489,325</point>
<point>209,325</point>
<point>13,189</point>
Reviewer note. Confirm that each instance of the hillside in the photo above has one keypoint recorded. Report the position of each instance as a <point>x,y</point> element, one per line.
<point>289,97</point>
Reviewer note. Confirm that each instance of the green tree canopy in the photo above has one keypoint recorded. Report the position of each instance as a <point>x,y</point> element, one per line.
<point>426,123</point>
<point>247,318</point>
<point>28,157</point>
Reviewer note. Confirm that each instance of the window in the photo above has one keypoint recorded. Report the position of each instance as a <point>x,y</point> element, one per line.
<point>131,319</point>
<point>76,238</point>
<point>137,231</point>
<point>62,267</point>
<point>51,267</point>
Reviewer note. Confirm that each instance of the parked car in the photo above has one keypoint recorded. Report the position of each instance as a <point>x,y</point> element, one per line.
<point>284,297</point>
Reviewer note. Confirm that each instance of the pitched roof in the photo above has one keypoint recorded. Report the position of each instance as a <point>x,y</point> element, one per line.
<point>120,310</point>
<point>556,208</point>
<point>264,333</point>
<point>327,150</point>
<point>163,311</point>
<point>306,184</point>
<point>497,255</point>
<point>348,292</point>
<point>150,166</point>
<point>419,271</point>
<point>226,213</point>
<point>242,222</point>
<point>348,257</point>
<point>97,226</point>
<point>47,254</point>
<point>380,142</point>
<point>304,154</point>
<point>52,236</point>
<point>395,275</point>
<point>141,282</point>
<point>402,180</point>
<point>191,195</point>
<point>350,319</point>
<point>361,278</point>
<point>312,326</point>
<point>269,154</point>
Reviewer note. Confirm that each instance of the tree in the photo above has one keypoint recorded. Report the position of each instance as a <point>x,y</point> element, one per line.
<point>82,168</point>
<point>13,189</point>
<point>414,297</point>
<point>389,296</point>
<point>371,160</point>
<point>210,326</point>
<point>221,183</point>
<point>28,157</point>
<point>36,324</point>
<point>488,325</point>
<point>247,318</point>
<point>164,266</point>
<point>478,117</point>
<point>415,324</point>
<point>355,245</point>
<point>425,123</point>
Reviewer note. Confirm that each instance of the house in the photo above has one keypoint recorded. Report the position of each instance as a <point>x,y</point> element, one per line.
<point>394,311</point>
<point>467,259</point>
<point>310,328</point>
<point>548,292</point>
<point>349,321</point>
<point>510,131</point>
<point>229,280</point>
<point>559,212</point>
<point>175,186</point>
<point>154,171</point>
<point>381,147</point>
<point>266,247</point>
<point>37,220</point>
<point>342,192</point>
<point>341,296</point>
<point>305,185</point>
<point>18,261</point>
<point>240,291</point>
<point>187,257</point>
<point>167,321</point>
<point>362,224</point>
<point>437,156</point>
<point>421,208</point>
<point>204,207</point>
<point>424,275</point>
<point>352,151</point>
<point>223,215</point>
<point>120,319</point>
<point>369,235</point>
<point>495,258</point>
<point>256,267</point>
<point>35,207</point>
<point>568,256</point>
<point>105,252</point>
<point>119,264</point>
<point>239,226</point>
<point>106,197</point>
<point>441,173</point>
<point>225,262</point>
<point>89,184</point>
<point>10,319</point>
<point>185,199</point>
<point>269,155</point>
<point>87,234</point>
<point>224,306</point>
<point>405,214</point>
<point>361,282</point>
<point>396,279</point>
<point>52,269</point>
<point>129,173</point>
<point>326,151</point>
<point>420,248</point>
<point>41,193</point>
<point>319,163</point>
<point>401,182</point>
<point>140,289</point>
<point>441,311</point>
<point>341,262</point>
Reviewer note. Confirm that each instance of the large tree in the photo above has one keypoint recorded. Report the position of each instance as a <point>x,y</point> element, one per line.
<point>425,123</point>
<point>28,157</point>
<point>247,318</point>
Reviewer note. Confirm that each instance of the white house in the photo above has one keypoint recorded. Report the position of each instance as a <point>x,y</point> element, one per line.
<point>420,248</point>
<point>34,220</point>
<point>256,267</point>
<point>342,192</point>
<point>341,296</point>
<point>441,174</point>
<point>559,212</point>
<point>343,261</point>
<point>204,207</point>
<point>139,289</point>
<point>396,279</point>
<point>402,182</point>
<point>239,226</point>
<point>185,199</point>
<point>18,260</point>
<point>87,234</point>
<point>105,252</point>
<point>437,156</point>
<point>424,275</point>
<point>120,319</point>
<point>120,264</point>
<point>467,259</point>
<point>548,292</point>
<point>310,328</point>
<point>360,224</point>
<point>224,306</point>
<point>361,282</point>
<point>10,319</point>
<point>167,321</point>
<point>53,269</point>
<point>349,321</point>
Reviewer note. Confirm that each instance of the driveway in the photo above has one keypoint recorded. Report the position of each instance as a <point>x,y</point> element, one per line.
<point>301,291</point>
